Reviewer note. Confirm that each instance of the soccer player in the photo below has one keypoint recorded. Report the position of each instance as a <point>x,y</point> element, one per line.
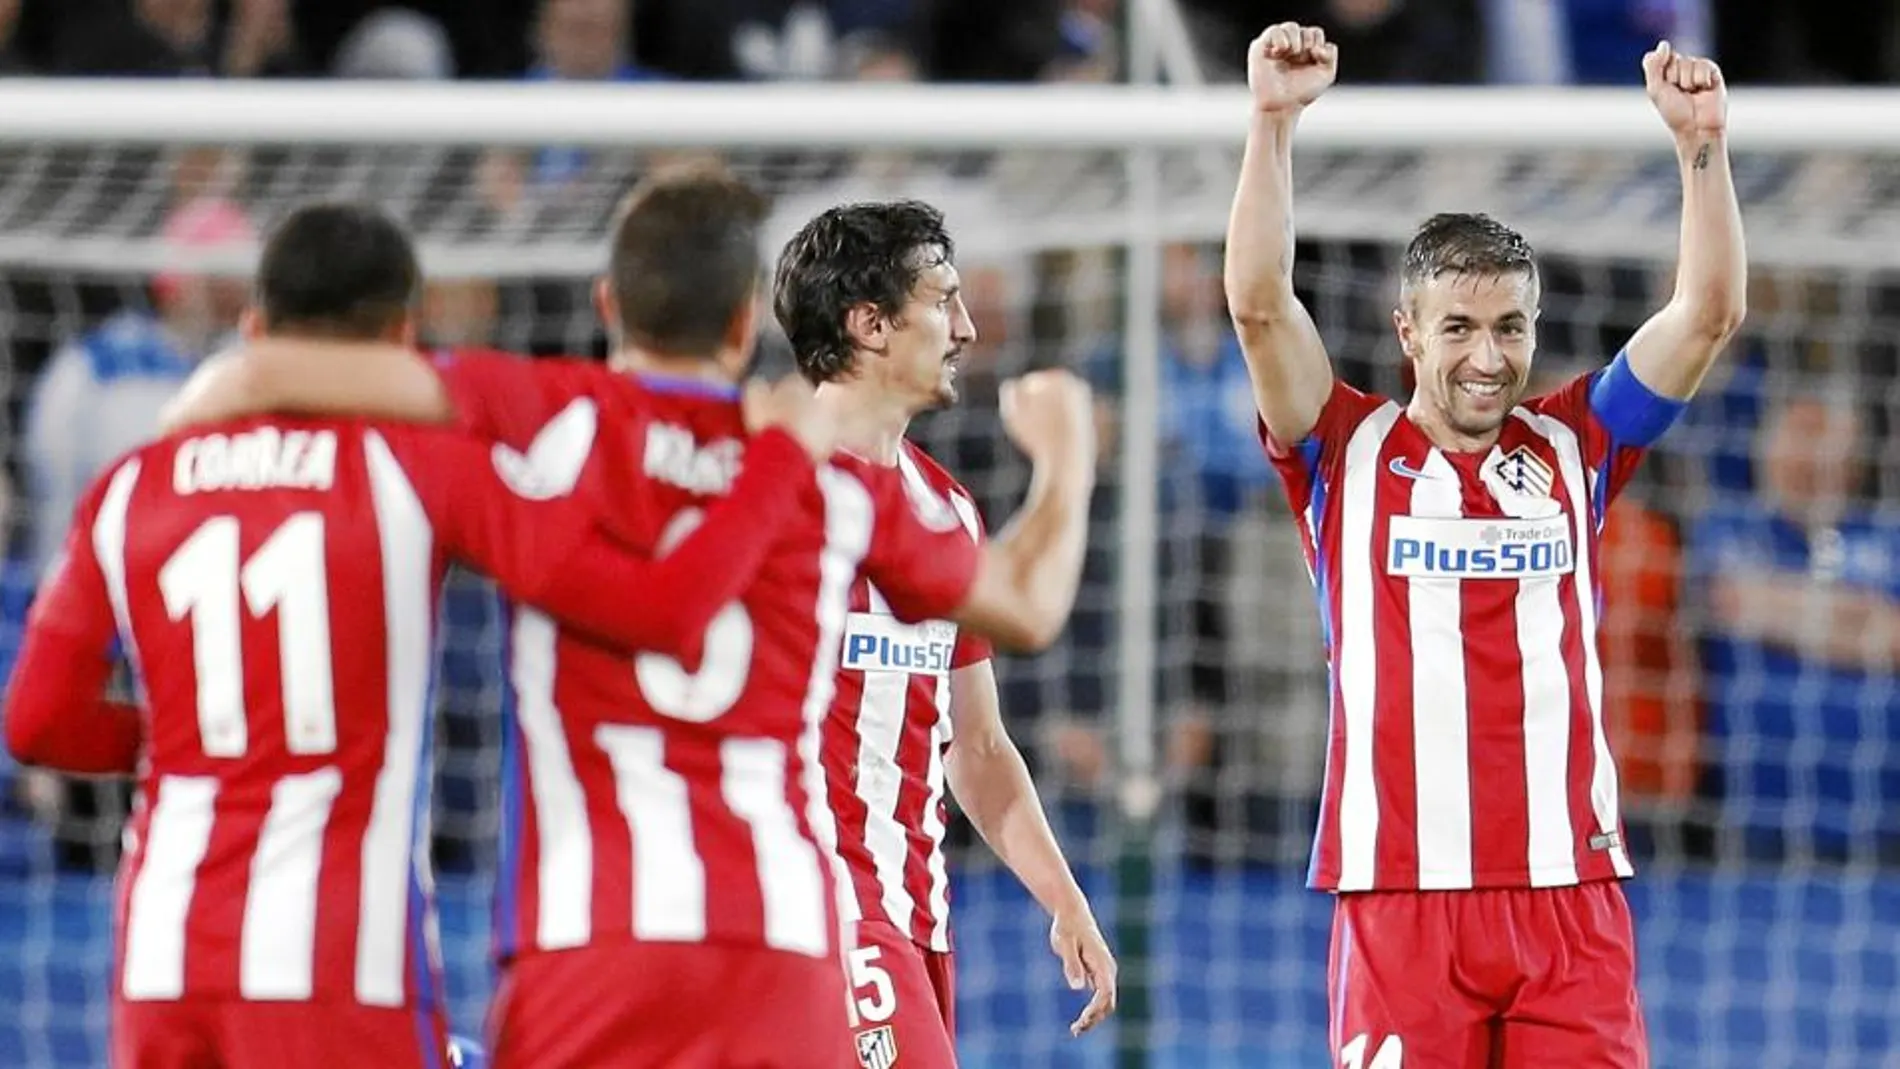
<point>1469,824</point>
<point>274,583</point>
<point>868,296</point>
<point>666,837</point>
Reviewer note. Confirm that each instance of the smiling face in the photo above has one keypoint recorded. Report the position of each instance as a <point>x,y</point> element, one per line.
<point>1470,339</point>
<point>1467,320</point>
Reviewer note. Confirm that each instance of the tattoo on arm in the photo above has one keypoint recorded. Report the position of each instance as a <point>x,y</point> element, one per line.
<point>1701,158</point>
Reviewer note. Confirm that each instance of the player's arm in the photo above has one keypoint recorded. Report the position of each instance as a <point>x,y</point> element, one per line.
<point>1288,67</point>
<point>523,518</point>
<point>990,781</point>
<point>57,714</point>
<point>1026,577</point>
<point>375,380</point>
<point>1673,350</point>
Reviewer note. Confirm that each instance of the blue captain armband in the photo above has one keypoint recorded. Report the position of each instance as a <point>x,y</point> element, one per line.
<point>1634,414</point>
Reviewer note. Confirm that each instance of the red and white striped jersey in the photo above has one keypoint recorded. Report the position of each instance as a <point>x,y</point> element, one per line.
<point>649,800</point>
<point>274,585</point>
<point>1459,600</point>
<point>885,739</point>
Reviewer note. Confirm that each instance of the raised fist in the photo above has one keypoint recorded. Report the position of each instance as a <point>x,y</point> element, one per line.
<point>1050,416</point>
<point>792,404</point>
<point>1289,66</point>
<point>1688,92</point>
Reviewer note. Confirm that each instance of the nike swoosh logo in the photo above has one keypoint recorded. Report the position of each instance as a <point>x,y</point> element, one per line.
<point>1400,467</point>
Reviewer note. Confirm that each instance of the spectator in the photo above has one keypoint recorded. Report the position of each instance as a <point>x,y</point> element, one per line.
<point>1586,42</point>
<point>395,44</point>
<point>1802,642</point>
<point>101,394</point>
<point>177,37</point>
<point>11,62</point>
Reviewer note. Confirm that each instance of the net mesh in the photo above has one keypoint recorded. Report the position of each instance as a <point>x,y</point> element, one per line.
<point>1763,778</point>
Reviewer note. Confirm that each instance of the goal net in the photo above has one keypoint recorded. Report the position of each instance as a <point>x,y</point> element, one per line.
<point>1761,770</point>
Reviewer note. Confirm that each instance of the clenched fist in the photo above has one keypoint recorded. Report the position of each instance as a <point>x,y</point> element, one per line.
<point>1050,416</point>
<point>1289,66</point>
<point>1688,92</point>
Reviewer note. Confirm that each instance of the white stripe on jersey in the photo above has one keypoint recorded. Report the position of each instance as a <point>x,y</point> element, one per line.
<point>791,882</point>
<point>881,708</point>
<point>849,520</point>
<point>108,547</point>
<point>669,881</point>
<point>176,836</point>
<point>277,951</point>
<point>1604,801</point>
<point>1358,648</point>
<point>940,735</point>
<point>391,849</point>
<point>1441,711</point>
<point>564,843</point>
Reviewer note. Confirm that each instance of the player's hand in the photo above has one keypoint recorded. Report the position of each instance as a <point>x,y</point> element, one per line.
<point>791,404</point>
<point>1050,415</point>
<point>1289,66</point>
<point>1688,92</point>
<point>1086,962</point>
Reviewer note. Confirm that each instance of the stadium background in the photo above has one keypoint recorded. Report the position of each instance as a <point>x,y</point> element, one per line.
<point>1762,779</point>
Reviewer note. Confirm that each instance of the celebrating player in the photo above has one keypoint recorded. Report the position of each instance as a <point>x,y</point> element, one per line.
<point>1469,823</point>
<point>868,295</point>
<point>667,837</point>
<point>274,582</point>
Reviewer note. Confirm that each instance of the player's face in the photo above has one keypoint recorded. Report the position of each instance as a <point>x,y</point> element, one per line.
<point>1470,339</point>
<point>928,340</point>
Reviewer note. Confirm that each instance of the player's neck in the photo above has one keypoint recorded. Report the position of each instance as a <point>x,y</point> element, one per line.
<point>635,361</point>
<point>1442,434</point>
<point>872,425</point>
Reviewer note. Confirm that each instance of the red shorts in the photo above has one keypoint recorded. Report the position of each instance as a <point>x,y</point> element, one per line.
<point>274,1035</point>
<point>903,1000</point>
<point>678,1005</point>
<point>1498,979</point>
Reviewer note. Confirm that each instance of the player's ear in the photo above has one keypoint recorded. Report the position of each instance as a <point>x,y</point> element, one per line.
<point>868,327</point>
<point>403,332</point>
<point>1408,335</point>
<point>606,307</point>
<point>251,323</point>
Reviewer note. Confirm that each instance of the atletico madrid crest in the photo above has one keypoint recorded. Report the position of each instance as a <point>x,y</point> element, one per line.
<point>877,1048</point>
<point>1525,473</point>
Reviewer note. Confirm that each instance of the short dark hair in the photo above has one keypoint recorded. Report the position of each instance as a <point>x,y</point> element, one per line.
<point>340,269</point>
<point>1460,243</point>
<point>851,255</point>
<point>686,259</point>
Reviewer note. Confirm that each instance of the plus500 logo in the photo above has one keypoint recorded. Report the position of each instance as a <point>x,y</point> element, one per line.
<point>876,643</point>
<point>1479,548</point>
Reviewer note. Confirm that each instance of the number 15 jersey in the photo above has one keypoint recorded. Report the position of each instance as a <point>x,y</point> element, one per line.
<point>648,800</point>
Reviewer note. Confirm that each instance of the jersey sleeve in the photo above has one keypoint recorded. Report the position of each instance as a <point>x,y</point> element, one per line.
<point>1302,463</point>
<point>921,557</point>
<point>57,714</point>
<point>525,520</point>
<point>504,397</point>
<point>1616,419</point>
<point>971,648</point>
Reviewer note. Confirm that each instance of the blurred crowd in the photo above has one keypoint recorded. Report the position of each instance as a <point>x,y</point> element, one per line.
<point>1752,574</point>
<point>1392,41</point>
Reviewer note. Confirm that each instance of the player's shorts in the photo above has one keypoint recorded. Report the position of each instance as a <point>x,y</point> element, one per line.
<point>274,1035</point>
<point>680,1005</point>
<point>1493,979</point>
<point>903,1000</point>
